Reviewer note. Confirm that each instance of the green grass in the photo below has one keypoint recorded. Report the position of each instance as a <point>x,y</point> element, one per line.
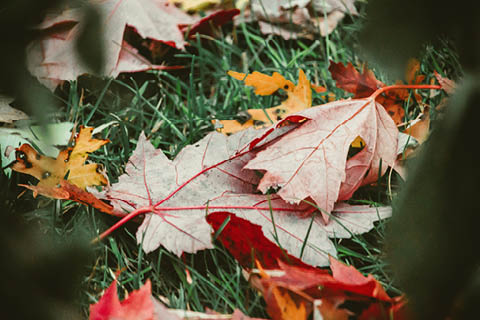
<point>174,109</point>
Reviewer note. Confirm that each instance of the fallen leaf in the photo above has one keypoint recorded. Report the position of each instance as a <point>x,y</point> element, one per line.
<point>330,310</point>
<point>246,243</point>
<point>365,83</point>
<point>300,18</point>
<point>46,138</point>
<point>362,85</point>
<point>285,308</point>
<point>311,161</point>
<point>137,306</point>
<point>208,177</point>
<point>264,84</point>
<point>299,98</point>
<point>53,58</point>
<point>141,305</point>
<point>69,162</point>
<point>328,295</point>
<point>130,60</point>
<point>9,114</point>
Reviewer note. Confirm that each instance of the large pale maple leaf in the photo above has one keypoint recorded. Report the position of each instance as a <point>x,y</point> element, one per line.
<point>208,176</point>
<point>311,161</point>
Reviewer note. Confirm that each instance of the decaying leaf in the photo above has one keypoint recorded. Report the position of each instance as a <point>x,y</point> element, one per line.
<point>46,138</point>
<point>299,98</point>
<point>208,177</point>
<point>67,176</point>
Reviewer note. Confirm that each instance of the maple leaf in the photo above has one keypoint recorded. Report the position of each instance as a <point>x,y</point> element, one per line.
<point>246,242</point>
<point>208,176</point>
<point>328,293</point>
<point>70,163</point>
<point>53,58</point>
<point>138,305</point>
<point>300,18</point>
<point>299,98</point>
<point>141,305</point>
<point>311,161</point>
<point>364,84</point>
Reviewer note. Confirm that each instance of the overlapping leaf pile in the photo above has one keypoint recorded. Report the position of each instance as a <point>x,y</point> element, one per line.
<point>53,58</point>
<point>274,195</point>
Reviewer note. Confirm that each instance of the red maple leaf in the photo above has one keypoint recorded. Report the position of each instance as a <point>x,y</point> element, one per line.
<point>317,288</point>
<point>246,242</point>
<point>138,305</point>
<point>364,84</point>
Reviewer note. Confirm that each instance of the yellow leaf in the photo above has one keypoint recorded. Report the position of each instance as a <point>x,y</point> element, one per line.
<point>69,162</point>
<point>264,84</point>
<point>299,97</point>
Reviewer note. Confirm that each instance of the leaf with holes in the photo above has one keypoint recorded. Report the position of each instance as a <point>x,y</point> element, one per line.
<point>208,177</point>
<point>67,176</point>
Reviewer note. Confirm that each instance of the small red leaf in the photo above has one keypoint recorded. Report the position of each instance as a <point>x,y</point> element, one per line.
<point>138,305</point>
<point>349,79</point>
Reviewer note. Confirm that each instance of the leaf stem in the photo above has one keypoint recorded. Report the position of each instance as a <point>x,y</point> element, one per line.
<point>122,221</point>
<point>404,86</point>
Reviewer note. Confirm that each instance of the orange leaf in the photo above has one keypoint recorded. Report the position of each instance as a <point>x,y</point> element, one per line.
<point>264,84</point>
<point>299,98</point>
<point>287,308</point>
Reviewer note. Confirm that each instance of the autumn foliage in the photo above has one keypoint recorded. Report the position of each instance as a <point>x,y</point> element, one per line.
<point>271,186</point>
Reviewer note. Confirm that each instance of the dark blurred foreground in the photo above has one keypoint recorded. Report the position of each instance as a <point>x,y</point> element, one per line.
<point>432,243</point>
<point>40,275</point>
